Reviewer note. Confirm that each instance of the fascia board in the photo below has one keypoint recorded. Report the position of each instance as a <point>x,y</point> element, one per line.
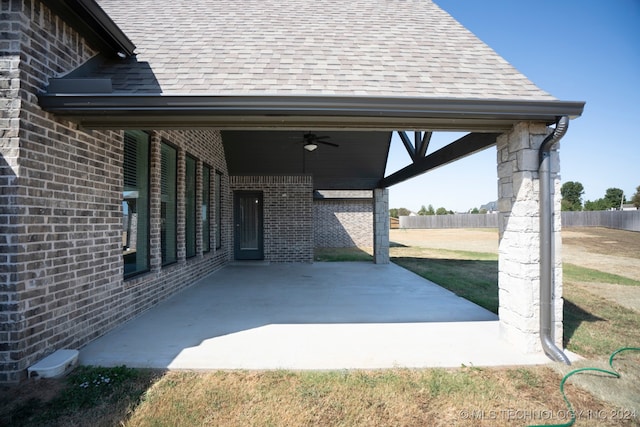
<point>256,111</point>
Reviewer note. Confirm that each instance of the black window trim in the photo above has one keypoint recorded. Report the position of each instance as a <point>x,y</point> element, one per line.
<point>149,156</point>
<point>175,147</point>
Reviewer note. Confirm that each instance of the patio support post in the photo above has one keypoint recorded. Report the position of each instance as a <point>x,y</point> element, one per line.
<point>381,226</point>
<point>519,234</point>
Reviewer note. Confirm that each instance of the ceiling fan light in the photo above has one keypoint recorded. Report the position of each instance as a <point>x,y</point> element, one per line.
<point>310,146</point>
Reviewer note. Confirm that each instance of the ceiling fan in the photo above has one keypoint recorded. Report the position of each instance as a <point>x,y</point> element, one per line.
<point>311,141</point>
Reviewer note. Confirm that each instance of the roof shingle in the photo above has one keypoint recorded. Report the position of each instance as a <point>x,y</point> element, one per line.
<point>407,48</point>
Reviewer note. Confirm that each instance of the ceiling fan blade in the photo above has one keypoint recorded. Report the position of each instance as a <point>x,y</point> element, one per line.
<point>328,143</point>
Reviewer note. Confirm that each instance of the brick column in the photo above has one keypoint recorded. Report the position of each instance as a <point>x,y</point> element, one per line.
<point>519,225</point>
<point>155,172</point>
<point>381,226</point>
<point>13,259</point>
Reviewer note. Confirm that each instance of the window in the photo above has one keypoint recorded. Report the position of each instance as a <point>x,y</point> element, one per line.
<point>190,206</point>
<point>218,190</point>
<point>168,204</point>
<point>206,207</point>
<point>135,203</point>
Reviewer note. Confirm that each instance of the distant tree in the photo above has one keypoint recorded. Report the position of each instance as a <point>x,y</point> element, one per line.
<point>572,196</point>
<point>422,211</point>
<point>475,211</point>
<point>482,211</point>
<point>614,198</point>
<point>441,211</point>
<point>398,212</point>
<point>451,212</point>
<point>636,198</point>
<point>596,205</point>
<point>430,210</point>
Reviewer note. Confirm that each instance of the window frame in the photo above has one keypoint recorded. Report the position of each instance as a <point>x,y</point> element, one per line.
<point>218,203</point>
<point>137,134</point>
<point>205,206</point>
<point>190,235</point>
<point>165,261</point>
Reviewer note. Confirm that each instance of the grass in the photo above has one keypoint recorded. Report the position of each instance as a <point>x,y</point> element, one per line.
<point>608,241</point>
<point>435,397</point>
<point>595,327</point>
<point>576,273</point>
<point>93,396</point>
<point>342,254</point>
<point>475,280</point>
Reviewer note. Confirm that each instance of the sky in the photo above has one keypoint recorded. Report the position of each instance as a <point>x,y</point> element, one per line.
<point>577,50</point>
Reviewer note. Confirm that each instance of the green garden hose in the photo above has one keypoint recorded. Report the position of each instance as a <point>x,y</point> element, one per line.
<point>612,372</point>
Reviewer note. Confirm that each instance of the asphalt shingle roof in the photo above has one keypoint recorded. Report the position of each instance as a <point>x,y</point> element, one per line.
<point>307,47</point>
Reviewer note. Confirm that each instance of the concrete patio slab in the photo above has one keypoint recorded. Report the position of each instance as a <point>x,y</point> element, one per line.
<point>309,316</point>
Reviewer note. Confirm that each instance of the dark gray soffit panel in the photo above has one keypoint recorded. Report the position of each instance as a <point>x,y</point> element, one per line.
<point>357,164</point>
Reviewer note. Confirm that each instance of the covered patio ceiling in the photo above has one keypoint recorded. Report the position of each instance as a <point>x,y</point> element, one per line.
<point>353,160</point>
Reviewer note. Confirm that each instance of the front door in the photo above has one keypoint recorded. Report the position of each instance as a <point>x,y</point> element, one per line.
<point>248,240</point>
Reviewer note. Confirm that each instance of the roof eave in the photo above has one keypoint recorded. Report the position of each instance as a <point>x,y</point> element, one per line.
<point>88,18</point>
<point>115,110</point>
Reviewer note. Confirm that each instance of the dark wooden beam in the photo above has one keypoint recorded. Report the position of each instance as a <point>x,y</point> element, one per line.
<point>458,149</point>
<point>407,144</point>
<point>424,144</point>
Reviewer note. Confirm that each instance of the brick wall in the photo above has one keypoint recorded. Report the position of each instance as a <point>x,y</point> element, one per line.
<point>38,236</point>
<point>343,223</point>
<point>61,188</point>
<point>288,210</point>
<point>144,291</point>
<point>10,319</point>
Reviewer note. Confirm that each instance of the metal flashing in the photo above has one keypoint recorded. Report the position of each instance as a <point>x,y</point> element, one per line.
<point>80,85</point>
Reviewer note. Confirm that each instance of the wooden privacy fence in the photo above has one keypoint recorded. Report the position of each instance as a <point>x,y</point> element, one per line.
<point>450,221</point>
<point>622,220</point>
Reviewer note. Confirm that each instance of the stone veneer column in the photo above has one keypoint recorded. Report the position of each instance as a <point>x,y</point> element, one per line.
<point>519,225</point>
<point>381,226</point>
